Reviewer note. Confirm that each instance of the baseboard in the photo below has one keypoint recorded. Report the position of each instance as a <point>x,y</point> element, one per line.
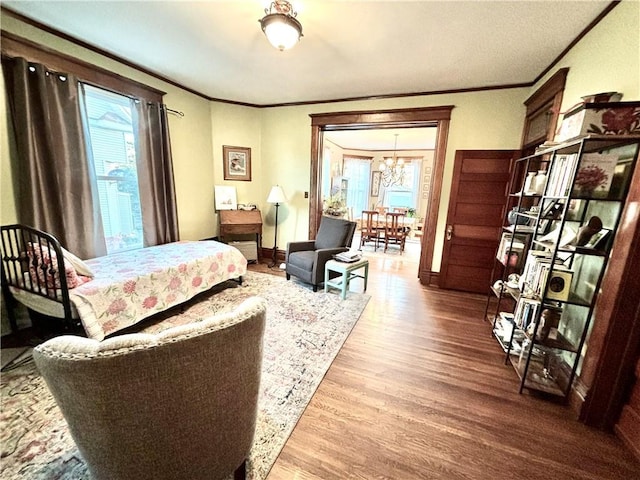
<point>627,431</point>
<point>267,254</point>
<point>429,279</point>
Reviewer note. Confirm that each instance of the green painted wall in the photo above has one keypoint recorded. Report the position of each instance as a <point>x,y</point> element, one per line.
<point>280,138</point>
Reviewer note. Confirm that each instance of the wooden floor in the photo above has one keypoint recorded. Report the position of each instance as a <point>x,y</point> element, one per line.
<point>420,391</point>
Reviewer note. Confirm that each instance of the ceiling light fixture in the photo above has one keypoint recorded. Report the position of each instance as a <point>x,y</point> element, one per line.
<point>392,169</point>
<point>280,25</point>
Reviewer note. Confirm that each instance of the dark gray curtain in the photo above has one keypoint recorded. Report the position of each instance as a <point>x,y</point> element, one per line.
<point>51,170</point>
<point>155,174</point>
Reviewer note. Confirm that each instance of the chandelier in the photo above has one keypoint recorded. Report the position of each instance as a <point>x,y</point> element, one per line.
<point>392,169</point>
<point>280,25</point>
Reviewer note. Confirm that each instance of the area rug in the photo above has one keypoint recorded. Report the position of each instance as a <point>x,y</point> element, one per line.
<point>304,332</point>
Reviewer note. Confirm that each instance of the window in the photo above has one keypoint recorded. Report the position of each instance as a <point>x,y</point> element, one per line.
<point>358,171</point>
<point>405,194</point>
<point>112,145</point>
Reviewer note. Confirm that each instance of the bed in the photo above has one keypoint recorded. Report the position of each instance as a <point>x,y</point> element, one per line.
<point>110,293</point>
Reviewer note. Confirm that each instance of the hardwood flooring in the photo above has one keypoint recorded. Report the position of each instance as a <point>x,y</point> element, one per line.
<point>420,391</point>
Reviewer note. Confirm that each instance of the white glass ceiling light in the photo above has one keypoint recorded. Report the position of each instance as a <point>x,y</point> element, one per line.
<point>280,25</point>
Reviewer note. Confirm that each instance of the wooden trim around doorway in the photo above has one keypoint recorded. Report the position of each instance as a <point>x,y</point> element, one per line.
<point>398,118</point>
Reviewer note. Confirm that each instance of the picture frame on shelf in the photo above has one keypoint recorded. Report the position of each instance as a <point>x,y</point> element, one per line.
<point>595,175</point>
<point>552,209</point>
<point>599,240</point>
<point>559,285</point>
<point>543,226</point>
<point>236,163</point>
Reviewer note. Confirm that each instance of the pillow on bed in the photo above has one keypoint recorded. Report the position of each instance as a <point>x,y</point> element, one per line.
<point>49,275</point>
<point>81,267</point>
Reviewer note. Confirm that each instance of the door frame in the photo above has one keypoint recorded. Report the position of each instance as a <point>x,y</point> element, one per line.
<point>439,117</point>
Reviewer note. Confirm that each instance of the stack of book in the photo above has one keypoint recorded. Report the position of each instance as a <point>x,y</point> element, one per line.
<point>538,272</point>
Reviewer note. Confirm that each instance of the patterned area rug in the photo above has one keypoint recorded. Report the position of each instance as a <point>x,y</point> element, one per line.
<point>304,332</point>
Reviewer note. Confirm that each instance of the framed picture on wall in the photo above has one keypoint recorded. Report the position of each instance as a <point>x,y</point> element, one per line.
<point>375,183</point>
<point>237,163</point>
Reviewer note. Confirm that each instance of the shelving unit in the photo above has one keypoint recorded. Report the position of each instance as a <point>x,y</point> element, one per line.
<point>553,254</point>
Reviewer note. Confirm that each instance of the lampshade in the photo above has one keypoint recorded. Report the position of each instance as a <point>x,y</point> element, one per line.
<point>276,195</point>
<point>280,25</point>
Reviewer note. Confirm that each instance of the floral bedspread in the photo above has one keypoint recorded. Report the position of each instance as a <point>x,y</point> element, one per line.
<point>131,286</point>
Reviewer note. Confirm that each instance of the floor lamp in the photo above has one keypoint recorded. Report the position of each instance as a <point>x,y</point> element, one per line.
<point>276,196</point>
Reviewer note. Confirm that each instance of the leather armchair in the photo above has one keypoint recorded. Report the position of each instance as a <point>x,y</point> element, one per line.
<point>306,259</point>
<point>180,404</point>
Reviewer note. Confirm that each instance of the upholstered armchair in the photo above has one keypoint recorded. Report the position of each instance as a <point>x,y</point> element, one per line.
<point>180,404</point>
<point>306,259</point>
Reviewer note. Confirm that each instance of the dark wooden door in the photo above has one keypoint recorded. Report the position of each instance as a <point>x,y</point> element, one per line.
<point>475,218</point>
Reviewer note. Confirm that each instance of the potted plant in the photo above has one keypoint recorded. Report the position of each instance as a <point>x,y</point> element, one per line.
<point>335,206</point>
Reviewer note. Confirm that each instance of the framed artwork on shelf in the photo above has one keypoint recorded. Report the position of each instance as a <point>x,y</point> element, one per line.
<point>225,197</point>
<point>375,183</point>
<point>237,163</point>
<point>599,240</point>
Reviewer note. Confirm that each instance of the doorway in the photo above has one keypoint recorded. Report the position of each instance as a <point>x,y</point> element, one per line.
<point>438,117</point>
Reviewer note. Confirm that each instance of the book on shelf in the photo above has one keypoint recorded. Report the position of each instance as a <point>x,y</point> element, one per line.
<point>537,273</point>
<point>520,229</point>
<point>525,312</point>
<point>561,174</point>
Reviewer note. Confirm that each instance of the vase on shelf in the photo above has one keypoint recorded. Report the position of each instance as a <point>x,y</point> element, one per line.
<point>528,184</point>
<point>515,219</point>
<point>539,182</point>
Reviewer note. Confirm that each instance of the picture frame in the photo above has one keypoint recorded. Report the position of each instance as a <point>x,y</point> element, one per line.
<point>375,183</point>
<point>559,285</point>
<point>225,197</point>
<point>599,240</point>
<point>236,163</point>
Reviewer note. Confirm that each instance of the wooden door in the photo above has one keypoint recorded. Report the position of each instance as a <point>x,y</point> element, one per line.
<point>475,218</point>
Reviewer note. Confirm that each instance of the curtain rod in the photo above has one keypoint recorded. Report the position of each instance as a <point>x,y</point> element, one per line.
<point>175,112</point>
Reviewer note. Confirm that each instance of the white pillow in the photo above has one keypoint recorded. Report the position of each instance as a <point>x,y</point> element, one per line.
<point>81,267</point>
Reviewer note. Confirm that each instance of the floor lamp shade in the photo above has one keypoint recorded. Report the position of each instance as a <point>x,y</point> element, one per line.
<point>276,196</point>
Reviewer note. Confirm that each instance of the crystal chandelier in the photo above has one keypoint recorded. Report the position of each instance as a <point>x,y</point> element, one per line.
<point>280,25</point>
<point>392,169</point>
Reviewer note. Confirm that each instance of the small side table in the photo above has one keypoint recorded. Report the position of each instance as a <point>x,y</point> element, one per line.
<point>347,271</point>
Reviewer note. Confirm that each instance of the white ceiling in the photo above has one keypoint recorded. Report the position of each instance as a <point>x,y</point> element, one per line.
<point>349,49</point>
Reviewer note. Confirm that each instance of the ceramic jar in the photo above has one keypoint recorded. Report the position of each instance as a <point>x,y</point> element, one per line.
<point>515,219</point>
<point>529,183</point>
<point>539,182</point>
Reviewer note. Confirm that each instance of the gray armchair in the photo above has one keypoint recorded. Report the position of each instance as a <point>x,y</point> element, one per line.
<point>181,404</point>
<point>306,259</point>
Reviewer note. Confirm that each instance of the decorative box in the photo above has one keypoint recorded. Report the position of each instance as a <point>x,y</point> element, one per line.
<point>614,118</point>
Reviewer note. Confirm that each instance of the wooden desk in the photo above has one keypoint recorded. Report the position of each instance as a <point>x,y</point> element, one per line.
<point>241,222</point>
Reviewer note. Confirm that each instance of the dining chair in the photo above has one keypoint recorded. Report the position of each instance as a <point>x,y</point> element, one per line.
<point>370,231</point>
<point>382,210</point>
<point>395,231</point>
